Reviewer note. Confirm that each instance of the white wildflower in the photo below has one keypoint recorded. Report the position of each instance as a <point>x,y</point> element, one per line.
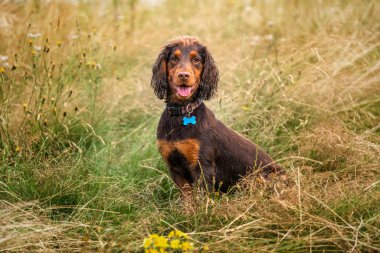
<point>33,35</point>
<point>269,37</point>
<point>256,40</point>
<point>3,58</point>
<point>120,17</point>
<point>247,9</point>
<point>74,36</point>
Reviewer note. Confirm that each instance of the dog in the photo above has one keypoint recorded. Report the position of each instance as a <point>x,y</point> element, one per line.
<point>198,148</point>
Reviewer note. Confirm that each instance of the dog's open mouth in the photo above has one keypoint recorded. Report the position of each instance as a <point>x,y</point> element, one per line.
<point>183,90</point>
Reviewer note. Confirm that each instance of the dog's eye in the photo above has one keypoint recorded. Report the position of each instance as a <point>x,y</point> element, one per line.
<point>173,59</point>
<point>196,60</point>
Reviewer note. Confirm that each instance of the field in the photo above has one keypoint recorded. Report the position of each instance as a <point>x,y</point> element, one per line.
<point>79,166</point>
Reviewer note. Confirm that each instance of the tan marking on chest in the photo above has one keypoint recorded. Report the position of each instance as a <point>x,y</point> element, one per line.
<point>189,148</point>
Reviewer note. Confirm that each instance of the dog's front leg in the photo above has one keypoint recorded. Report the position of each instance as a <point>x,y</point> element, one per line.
<point>206,173</point>
<point>185,186</point>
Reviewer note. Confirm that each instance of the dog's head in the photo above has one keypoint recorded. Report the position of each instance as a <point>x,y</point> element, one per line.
<point>184,70</point>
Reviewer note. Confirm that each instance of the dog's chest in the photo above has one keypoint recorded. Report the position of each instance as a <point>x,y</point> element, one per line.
<point>180,152</point>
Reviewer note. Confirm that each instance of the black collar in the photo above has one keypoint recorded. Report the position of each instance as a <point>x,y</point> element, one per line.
<point>189,108</point>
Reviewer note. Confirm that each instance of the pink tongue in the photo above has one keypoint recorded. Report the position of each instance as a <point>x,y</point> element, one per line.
<point>184,91</point>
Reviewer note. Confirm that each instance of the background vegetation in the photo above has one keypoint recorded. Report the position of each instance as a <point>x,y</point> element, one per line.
<point>79,166</point>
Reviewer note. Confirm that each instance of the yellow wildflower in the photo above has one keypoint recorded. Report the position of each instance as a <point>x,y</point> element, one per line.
<point>161,242</point>
<point>2,70</point>
<point>147,242</point>
<point>154,236</point>
<point>259,180</point>
<point>177,233</point>
<point>182,234</point>
<point>91,63</point>
<point>151,251</point>
<point>175,244</point>
<point>245,108</point>
<point>187,246</point>
<point>17,149</point>
<point>171,234</point>
<point>205,247</point>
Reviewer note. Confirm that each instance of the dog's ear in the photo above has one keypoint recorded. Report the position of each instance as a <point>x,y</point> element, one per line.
<point>210,76</point>
<point>159,77</point>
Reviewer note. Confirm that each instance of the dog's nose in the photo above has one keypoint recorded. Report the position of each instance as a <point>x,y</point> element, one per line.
<point>183,76</point>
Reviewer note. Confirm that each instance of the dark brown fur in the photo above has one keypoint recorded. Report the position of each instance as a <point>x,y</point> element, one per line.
<point>208,153</point>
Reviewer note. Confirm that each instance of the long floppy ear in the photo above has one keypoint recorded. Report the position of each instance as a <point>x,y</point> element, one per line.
<point>159,79</point>
<point>210,77</point>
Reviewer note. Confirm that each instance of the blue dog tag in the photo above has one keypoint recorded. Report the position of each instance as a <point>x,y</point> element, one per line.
<point>190,120</point>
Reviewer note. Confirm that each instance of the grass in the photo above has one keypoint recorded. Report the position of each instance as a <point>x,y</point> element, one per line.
<point>79,166</point>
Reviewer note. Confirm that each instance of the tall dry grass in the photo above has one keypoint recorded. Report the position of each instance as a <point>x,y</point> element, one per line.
<point>79,168</point>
